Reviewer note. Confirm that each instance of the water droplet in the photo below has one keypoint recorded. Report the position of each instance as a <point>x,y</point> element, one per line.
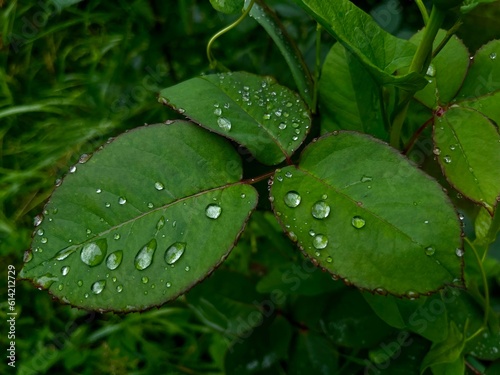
<point>168,285</point>
<point>40,232</point>
<point>72,169</point>
<point>86,295</point>
<point>292,236</point>
<point>320,241</point>
<point>447,159</point>
<point>93,253</point>
<point>44,240</point>
<point>65,270</point>
<point>453,147</point>
<point>122,200</point>
<point>459,252</point>
<point>429,250</point>
<point>266,116</point>
<point>119,288</point>
<point>186,268</point>
<point>107,204</point>
<point>145,279</point>
<point>116,236</point>
<point>493,55</point>
<point>58,182</point>
<point>436,151</point>
<point>174,252</point>
<point>79,282</point>
<point>282,126</point>
<point>292,199</point>
<point>64,253</point>
<point>358,222</point>
<point>224,123</point>
<point>213,211</point>
<point>243,195</point>
<point>329,259</point>
<point>144,257</point>
<point>84,158</point>
<point>366,179</point>
<point>295,138</point>
<point>431,71</point>
<point>288,174</point>
<point>411,294</point>
<point>161,223</point>
<point>28,255</point>
<point>114,259</point>
<point>37,220</point>
<point>46,280</point>
<point>98,286</point>
<point>320,210</point>
<point>60,287</point>
<point>217,111</point>
<point>98,191</point>
<point>150,205</point>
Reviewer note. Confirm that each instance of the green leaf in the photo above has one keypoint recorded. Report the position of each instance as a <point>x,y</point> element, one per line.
<point>468,149</point>
<point>444,82</point>
<point>446,352</point>
<point>425,316</point>
<point>483,77</point>
<point>355,207</point>
<point>142,221</point>
<point>228,6</point>
<point>349,98</point>
<point>469,5</point>
<point>313,354</point>
<point>267,118</point>
<point>381,53</point>
<point>487,105</point>
<point>293,57</point>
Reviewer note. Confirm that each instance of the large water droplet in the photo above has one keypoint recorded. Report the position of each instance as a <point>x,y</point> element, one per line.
<point>224,123</point>
<point>217,111</point>
<point>174,252</point>
<point>144,257</point>
<point>65,270</point>
<point>114,259</point>
<point>320,241</point>
<point>98,286</point>
<point>429,250</point>
<point>292,199</point>
<point>358,222</point>
<point>213,211</point>
<point>159,186</point>
<point>320,210</point>
<point>93,253</point>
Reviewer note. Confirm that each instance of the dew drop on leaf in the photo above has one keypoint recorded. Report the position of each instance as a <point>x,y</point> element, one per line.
<point>28,255</point>
<point>64,253</point>
<point>358,222</point>
<point>84,158</point>
<point>459,252</point>
<point>114,259</point>
<point>292,199</point>
<point>493,55</point>
<point>145,279</point>
<point>144,257</point>
<point>98,286</point>
<point>282,126</point>
<point>320,210</point>
<point>436,151</point>
<point>79,282</point>
<point>122,200</point>
<point>224,123</point>
<point>159,186</point>
<point>45,281</point>
<point>213,211</point>
<point>65,270</point>
<point>37,220</point>
<point>429,250</point>
<point>320,241</point>
<point>161,223</point>
<point>93,253</point>
<point>116,236</point>
<point>329,259</point>
<point>174,252</point>
<point>119,288</point>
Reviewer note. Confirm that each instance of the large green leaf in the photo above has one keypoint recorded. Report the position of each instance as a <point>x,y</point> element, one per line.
<point>349,97</point>
<point>355,207</point>
<point>381,53</point>
<point>267,118</point>
<point>142,221</point>
<point>468,149</point>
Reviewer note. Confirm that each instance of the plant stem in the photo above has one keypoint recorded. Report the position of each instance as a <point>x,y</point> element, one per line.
<point>423,11</point>
<point>419,64</point>
<point>486,291</point>
<point>317,68</point>
<point>211,59</point>
<point>447,37</point>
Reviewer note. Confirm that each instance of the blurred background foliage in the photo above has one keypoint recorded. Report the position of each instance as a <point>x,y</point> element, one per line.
<point>74,73</point>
